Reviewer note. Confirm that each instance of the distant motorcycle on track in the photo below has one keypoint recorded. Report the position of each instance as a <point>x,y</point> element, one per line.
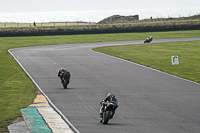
<point>148,40</point>
<point>64,77</point>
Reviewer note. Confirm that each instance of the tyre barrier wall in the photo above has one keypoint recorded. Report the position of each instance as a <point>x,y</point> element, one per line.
<point>98,31</point>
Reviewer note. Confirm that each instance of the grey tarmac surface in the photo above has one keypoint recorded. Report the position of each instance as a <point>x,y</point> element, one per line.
<point>149,101</point>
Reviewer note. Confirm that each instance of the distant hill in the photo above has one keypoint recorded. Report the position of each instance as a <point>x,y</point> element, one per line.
<point>119,19</point>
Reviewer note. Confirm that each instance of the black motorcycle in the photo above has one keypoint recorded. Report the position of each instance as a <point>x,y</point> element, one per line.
<point>65,77</point>
<point>108,111</point>
<point>147,41</point>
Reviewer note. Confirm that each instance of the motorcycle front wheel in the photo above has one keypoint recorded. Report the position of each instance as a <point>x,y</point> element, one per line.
<point>106,117</point>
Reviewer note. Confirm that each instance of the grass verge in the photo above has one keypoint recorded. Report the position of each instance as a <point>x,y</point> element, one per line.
<point>17,91</point>
<point>158,56</point>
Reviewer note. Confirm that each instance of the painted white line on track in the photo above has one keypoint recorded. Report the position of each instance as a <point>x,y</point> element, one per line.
<point>49,101</point>
<point>145,67</point>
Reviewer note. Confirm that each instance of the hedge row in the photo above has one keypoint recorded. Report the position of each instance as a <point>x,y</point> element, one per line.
<point>97,29</point>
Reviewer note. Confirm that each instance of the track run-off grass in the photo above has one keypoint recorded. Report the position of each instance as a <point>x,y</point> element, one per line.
<point>158,56</point>
<point>17,91</point>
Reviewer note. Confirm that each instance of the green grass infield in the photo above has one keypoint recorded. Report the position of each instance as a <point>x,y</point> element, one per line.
<point>158,56</point>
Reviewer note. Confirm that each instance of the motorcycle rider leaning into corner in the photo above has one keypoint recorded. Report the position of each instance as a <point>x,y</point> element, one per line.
<point>151,38</point>
<point>110,98</point>
<point>61,72</point>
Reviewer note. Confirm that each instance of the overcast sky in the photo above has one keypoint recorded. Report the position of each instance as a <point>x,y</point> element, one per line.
<point>83,5</point>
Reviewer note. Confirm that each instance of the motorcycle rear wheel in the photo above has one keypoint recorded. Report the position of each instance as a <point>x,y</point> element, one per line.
<point>65,84</point>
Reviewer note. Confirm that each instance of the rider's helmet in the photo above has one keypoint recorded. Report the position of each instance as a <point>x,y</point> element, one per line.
<point>62,70</point>
<point>109,94</point>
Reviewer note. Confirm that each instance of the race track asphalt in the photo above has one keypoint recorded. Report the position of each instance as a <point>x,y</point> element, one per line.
<point>149,101</point>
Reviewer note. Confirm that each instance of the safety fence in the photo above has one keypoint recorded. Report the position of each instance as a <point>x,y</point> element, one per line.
<point>6,25</point>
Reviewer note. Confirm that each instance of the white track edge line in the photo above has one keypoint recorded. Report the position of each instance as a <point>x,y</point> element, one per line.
<point>59,112</point>
<point>146,67</point>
